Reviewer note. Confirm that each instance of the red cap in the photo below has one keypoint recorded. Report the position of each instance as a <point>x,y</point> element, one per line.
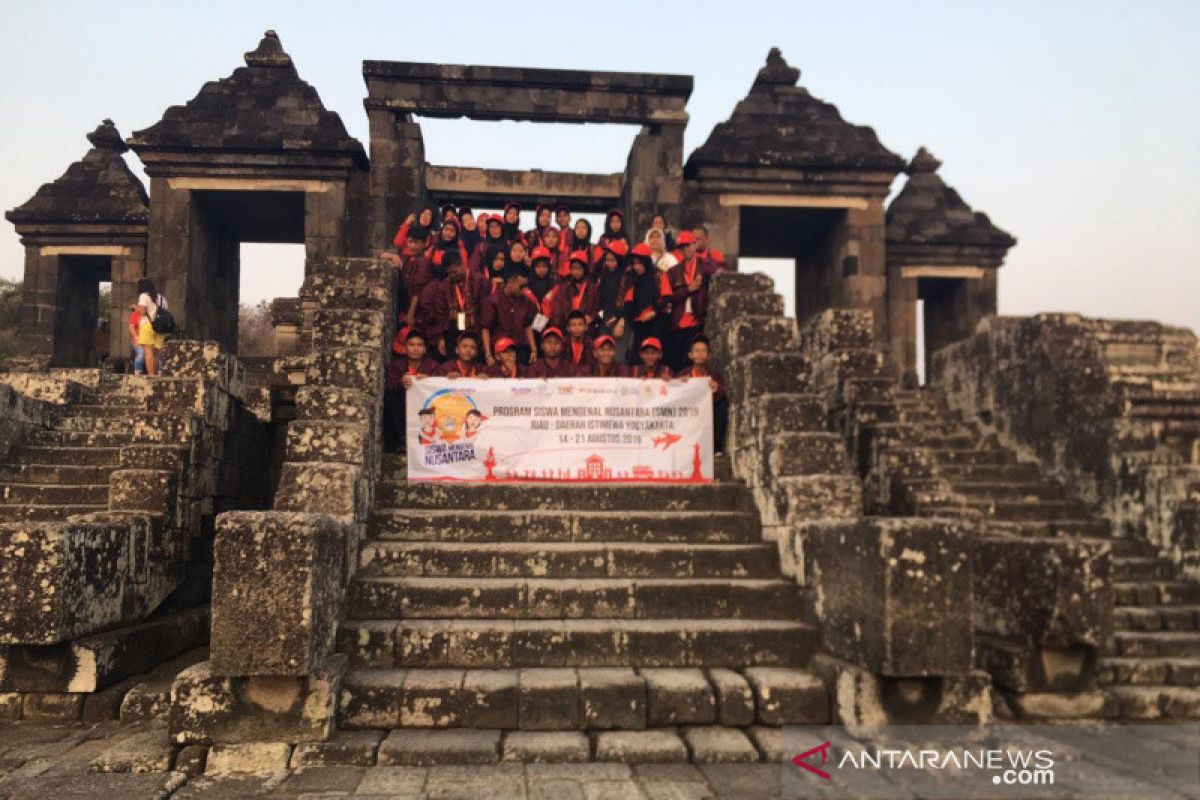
<point>642,249</point>
<point>552,331</point>
<point>685,237</point>
<point>580,256</point>
<point>651,341</point>
<point>502,344</point>
<point>618,246</point>
<point>603,340</point>
<point>541,251</point>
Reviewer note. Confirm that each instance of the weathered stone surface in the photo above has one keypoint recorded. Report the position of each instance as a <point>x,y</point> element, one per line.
<point>148,751</point>
<point>556,747</point>
<point>549,699</point>
<point>785,696</point>
<point>419,748</point>
<point>612,698</point>
<point>209,708</point>
<point>317,488</point>
<point>55,707</point>
<point>719,745</point>
<point>248,757</point>
<point>344,748</point>
<point>276,590</point>
<point>891,594</point>
<point>640,747</point>
<point>678,697</point>
<point>735,701</point>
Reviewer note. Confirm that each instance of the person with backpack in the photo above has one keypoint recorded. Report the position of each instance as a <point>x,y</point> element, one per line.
<point>155,323</point>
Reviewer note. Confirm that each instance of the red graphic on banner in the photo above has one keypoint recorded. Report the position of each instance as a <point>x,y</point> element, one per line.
<point>802,760</point>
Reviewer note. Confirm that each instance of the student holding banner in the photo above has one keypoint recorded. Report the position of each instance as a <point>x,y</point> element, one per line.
<point>552,364</point>
<point>509,313</point>
<point>408,362</point>
<point>505,365</point>
<point>699,368</point>
<point>464,363</point>
<point>605,364</point>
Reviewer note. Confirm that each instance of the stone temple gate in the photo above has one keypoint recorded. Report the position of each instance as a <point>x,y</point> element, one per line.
<point>1020,538</point>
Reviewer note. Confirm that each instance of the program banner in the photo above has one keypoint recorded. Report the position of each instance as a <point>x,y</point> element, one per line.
<point>563,429</point>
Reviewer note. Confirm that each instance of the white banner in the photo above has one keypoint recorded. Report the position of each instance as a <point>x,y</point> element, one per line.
<point>563,429</point>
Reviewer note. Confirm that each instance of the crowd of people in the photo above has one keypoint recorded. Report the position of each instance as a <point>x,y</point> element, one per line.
<point>479,297</point>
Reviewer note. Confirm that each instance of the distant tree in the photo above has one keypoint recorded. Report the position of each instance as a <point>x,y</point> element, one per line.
<point>10,311</point>
<point>256,334</point>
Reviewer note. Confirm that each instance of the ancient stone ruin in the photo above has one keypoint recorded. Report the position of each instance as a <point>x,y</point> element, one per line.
<point>226,548</point>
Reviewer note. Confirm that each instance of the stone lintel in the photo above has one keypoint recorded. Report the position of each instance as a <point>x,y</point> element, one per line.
<point>85,250</point>
<point>795,201</point>
<point>232,184</point>
<point>936,271</point>
<point>412,72</point>
<point>479,186</point>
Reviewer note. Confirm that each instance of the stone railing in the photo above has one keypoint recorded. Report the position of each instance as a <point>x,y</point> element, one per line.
<point>1111,408</point>
<point>280,575</point>
<point>75,594</point>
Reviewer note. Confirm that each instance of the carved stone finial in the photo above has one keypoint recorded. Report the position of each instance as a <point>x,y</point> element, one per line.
<point>107,137</point>
<point>923,161</point>
<point>269,53</point>
<point>777,71</point>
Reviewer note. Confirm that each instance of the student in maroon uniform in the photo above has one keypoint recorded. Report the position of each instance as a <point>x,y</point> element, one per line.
<point>415,274</point>
<point>448,239</point>
<point>421,224</point>
<point>713,257</point>
<point>604,363</point>
<point>611,278</point>
<point>492,242</point>
<point>552,364</point>
<point>542,282</point>
<point>508,314</point>
<point>581,239</point>
<point>551,241</point>
<point>512,224</point>
<point>465,363</point>
<point>408,362</point>
<point>651,365</point>
<point>576,293</point>
<point>562,218</point>
<point>614,228</point>
<point>506,365</point>
<point>541,221</point>
<point>700,368</point>
<point>644,302</point>
<point>688,281</point>
<point>518,255</point>
<point>578,347</point>
<point>493,271</point>
<point>471,235</point>
<point>450,305</point>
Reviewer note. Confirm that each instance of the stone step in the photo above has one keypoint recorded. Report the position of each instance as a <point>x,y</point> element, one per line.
<point>1020,472</point>
<point>394,493</point>
<point>102,424</point>
<point>465,643</point>
<point>76,456</point>
<point>565,526</point>
<point>53,494</point>
<point>1136,671</point>
<point>939,442</point>
<point>1155,702</point>
<point>1157,618</point>
<point>80,438</point>
<point>1131,568</point>
<point>65,474</point>
<point>1156,644</point>
<point>1094,528</point>
<point>577,699</point>
<point>1016,510</point>
<point>988,455</point>
<point>539,598</point>
<point>28,513</point>
<point>1156,593</point>
<point>1008,490</point>
<point>118,407</point>
<point>567,560</point>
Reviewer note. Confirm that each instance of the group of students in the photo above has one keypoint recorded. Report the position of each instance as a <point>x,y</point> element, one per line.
<point>482,298</point>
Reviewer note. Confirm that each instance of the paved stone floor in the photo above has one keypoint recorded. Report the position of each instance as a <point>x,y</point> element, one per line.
<point>41,761</point>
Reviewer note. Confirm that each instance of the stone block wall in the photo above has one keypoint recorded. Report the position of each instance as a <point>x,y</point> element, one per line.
<point>1110,407</point>
<point>280,575</point>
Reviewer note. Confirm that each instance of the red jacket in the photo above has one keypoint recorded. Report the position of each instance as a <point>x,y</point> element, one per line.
<point>706,372</point>
<point>502,315</point>
<point>582,360</point>
<point>435,316</point>
<point>662,372</point>
<point>542,368</point>
<point>569,296</point>
<point>614,370</point>
<point>678,278</point>
<point>497,371</point>
<point>400,367</point>
<point>472,369</point>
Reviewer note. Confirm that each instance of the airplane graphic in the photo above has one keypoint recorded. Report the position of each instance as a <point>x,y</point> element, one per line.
<point>666,440</point>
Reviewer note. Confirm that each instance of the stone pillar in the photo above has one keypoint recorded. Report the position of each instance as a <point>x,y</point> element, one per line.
<point>39,307</point>
<point>863,264</point>
<point>126,270</point>
<point>169,248</point>
<point>724,226</point>
<point>397,178</point>
<point>654,177</point>
<point>325,223</point>
<point>902,325</point>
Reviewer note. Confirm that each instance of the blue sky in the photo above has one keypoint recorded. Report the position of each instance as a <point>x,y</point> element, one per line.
<point>1076,126</point>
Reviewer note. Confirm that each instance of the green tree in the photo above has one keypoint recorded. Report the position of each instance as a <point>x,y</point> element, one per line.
<point>10,312</point>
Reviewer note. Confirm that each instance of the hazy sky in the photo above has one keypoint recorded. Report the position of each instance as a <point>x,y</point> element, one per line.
<point>1076,126</point>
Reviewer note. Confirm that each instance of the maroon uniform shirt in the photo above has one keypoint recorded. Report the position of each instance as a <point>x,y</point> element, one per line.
<point>401,366</point>
<point>502,315</point>
<point>543,369</point>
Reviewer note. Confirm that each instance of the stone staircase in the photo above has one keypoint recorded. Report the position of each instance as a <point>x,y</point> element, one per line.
<point>579,608</point>
<point>64,470</point>
<point>1152,668</point>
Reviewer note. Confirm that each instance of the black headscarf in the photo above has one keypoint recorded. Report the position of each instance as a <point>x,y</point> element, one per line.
<point>610,286</point>
<point>512,230</point>
<point>609,234</point>
<point>645,286</point>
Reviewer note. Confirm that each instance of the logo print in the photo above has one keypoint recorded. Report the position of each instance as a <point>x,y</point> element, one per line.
<point>802,760</point>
